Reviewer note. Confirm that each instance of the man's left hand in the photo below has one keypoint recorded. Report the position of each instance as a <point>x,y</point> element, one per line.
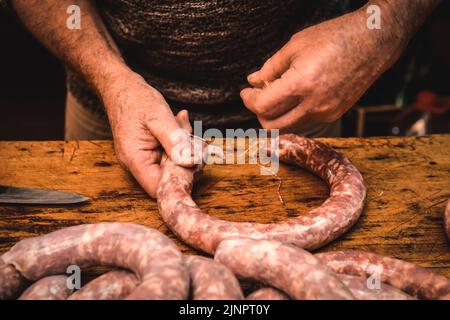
<point>320,73</point>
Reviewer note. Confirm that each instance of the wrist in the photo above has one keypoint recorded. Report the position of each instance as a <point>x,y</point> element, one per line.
<point>386,43</point>
<point>402,18</point>
<point>124,92</point>
<point>108,75</point>
<point>111,84</point>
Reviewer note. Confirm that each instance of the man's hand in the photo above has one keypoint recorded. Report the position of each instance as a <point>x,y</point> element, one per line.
<point>324,70</point>
<point>142,122</point>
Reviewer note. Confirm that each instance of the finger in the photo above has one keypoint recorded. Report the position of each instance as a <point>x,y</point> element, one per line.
<point>174,139</point>
<point>272,69</point>
<point>163,159</point>
<point>146,170</point>
<point>274,100</point>
<point>199,147</point>
<point>295,120</point>
<point>183,120</point>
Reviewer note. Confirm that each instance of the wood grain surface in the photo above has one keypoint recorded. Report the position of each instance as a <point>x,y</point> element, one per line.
<point>408,183</point>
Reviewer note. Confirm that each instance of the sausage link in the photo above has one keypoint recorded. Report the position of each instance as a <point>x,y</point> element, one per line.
<point>410,278</point>
<point>154,259</point>
<point>447,219</point>
<point>48,288</point>
<point>288,268</point>
<point>312,230</point>
<point>113,285</point>
<point>360,289</point>
<point>11,281</point>
<point>267,294</point>
<point>211,280</point>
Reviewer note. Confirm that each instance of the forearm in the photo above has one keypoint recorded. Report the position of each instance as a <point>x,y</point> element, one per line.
<point>404,17</point>
<point>89,50</point>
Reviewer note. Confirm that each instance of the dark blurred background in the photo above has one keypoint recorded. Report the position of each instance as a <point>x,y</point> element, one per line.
<point>32,86</point>
<point>409,99</point>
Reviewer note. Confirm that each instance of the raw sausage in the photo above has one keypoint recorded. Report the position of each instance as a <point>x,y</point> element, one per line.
<point>113,285</point>
<point>154,259</point>
<point>362,291</point>
<point>211,280</point>
<point>312,230</point>
<point>11,281</point>
<point>267,294</point>
<point>410,278</point>
<point>48,288</point>
<point>288,268</point>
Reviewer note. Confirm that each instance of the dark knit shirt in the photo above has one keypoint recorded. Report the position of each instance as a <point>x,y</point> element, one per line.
<point>197,53</point>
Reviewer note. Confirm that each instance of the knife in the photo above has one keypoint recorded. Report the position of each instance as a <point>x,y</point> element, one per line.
<point>16,195</point>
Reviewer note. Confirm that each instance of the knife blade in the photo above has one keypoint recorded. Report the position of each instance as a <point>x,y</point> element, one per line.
<point>17,195</point>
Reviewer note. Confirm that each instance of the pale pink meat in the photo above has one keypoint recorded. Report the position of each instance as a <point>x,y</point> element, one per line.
<point>408,277</point>
<point>154,259</point>
<point>211,280</point>
<point>48,288</point>
<point>113,285</point>
<point>311,230</point>
<point>267,294</point>
<point>290,269</point>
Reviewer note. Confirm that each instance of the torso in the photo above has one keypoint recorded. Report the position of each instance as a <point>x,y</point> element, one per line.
<point>198,52</point>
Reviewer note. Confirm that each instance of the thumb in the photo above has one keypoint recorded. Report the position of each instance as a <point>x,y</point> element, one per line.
<point>183,120</point>
<point>272,69</point>
<point>174,138</point>
<point>199,147</point>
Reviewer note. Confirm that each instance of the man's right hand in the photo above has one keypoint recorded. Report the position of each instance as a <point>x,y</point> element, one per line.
<point>141,122</point>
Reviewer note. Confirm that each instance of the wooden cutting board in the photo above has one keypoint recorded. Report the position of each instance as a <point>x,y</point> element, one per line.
<point>408,183</point>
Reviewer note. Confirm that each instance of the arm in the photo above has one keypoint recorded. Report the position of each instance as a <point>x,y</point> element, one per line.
<point>139,116</point>
<point>405,17</point>
<point>325,69</point>
<point>90,51</point>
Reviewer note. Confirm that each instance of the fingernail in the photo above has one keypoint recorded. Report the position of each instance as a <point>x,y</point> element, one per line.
<point>253,75</point>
